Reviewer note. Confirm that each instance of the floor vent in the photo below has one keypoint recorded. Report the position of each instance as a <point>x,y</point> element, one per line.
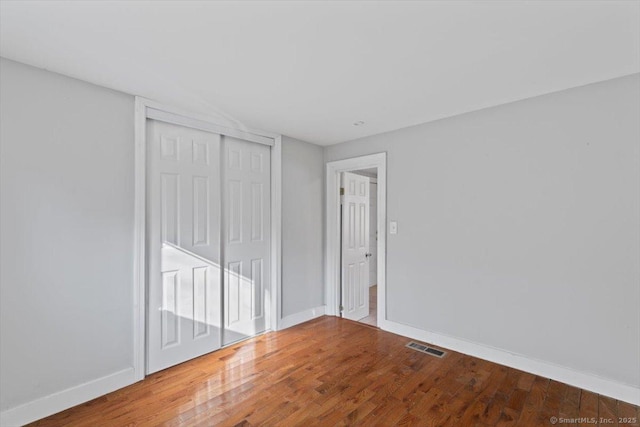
<point>426,349</point>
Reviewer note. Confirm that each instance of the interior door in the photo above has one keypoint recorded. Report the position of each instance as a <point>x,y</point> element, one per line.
<point>373,234</point>
<point>246,236</point>
<point>355,246</point>
<point>183,244</point>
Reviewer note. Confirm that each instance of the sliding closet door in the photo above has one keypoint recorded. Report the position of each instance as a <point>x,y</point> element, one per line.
<point>183,244</point>
<point>246,236</point>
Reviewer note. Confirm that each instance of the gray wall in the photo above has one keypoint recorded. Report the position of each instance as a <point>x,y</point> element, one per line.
<point>66,220</point>
<point>302,226</point>
<point>521,229</point>
<point>66,260</point>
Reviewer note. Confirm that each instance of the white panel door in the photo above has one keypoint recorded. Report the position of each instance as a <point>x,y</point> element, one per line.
<point>183,244</point>
<point>246,236</point>
<point>355,246</point>
<point>373,234</point>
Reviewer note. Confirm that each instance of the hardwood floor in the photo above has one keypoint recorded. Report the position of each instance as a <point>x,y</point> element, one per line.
<point>332,371</point>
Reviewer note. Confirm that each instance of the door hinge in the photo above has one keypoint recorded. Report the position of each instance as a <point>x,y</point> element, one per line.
<point>341,308</point>
<point>341,191</point>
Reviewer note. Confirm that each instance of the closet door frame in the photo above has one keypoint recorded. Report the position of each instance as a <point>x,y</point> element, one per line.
<point>148,109</point>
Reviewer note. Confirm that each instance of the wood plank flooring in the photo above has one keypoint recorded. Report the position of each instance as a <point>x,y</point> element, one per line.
<point>332,371</point>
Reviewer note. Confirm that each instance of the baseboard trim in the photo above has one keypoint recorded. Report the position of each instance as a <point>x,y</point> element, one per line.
<point>65,399</point>
<point>594,383</point>
<point>301,317</point>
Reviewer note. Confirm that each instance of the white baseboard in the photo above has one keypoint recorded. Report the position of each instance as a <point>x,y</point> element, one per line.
<point>624,392</point>
<point>65,399</point>
<point>301,317</point>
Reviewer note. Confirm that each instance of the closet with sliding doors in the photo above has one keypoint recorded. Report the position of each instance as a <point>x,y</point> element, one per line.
<point>208,240</point>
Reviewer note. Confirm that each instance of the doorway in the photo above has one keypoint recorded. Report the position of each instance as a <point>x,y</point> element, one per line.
<point>355,251</point>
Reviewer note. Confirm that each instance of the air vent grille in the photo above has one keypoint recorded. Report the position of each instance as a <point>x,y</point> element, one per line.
<point>426,349</point>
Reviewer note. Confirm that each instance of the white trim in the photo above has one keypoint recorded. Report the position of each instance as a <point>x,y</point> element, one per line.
<point>146,108</point>
<point>332,273</point>
<point>140,244</point>
<point>208,119</point>
<point>587,381</point>
<point>275,317</point>
<point>190,122</point>
<point>59,401</point>
<point>303,316</point>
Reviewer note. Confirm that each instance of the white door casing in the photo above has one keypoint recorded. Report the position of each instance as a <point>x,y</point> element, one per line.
<point>355,246</point>
<point>333,254</point>
<point>183,244</point>
<point>246,237</point>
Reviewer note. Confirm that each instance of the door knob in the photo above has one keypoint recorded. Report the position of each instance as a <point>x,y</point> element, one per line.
<point>368,254</point>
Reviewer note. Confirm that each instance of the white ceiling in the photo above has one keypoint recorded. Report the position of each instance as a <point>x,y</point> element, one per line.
<point>310,70</point>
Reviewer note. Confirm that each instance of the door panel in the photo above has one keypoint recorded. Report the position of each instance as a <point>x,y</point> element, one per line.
<point>246,236</point>
<point>355,246</point>
<point>373,234</point>
<point>183,244</point>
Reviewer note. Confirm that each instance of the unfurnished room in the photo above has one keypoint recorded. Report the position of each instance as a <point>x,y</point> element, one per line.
<point>320,213</point>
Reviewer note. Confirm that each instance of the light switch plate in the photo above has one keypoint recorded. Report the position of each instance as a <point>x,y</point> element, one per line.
<point>393,227</point>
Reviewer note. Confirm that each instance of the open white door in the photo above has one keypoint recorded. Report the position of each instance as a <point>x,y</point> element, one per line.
<point>355,246</point>
<point>373,233</point>
<point>246,236</point>
<point>183,176</point>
